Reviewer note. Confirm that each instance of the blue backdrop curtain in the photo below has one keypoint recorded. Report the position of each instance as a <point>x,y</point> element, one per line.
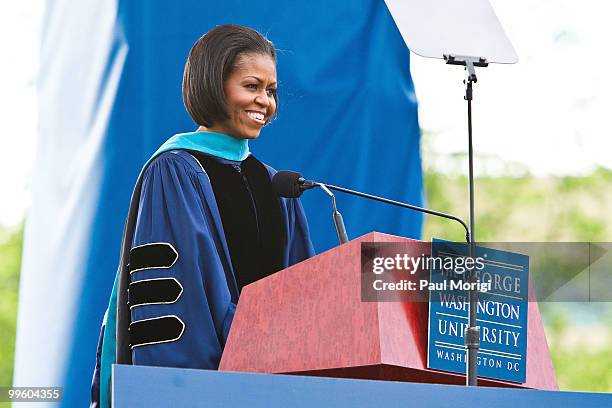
<point>110,94</point>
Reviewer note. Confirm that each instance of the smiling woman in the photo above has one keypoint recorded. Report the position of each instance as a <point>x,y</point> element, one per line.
<point>204,221</point>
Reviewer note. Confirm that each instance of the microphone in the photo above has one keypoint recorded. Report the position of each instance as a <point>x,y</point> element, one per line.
<point>291,184</point>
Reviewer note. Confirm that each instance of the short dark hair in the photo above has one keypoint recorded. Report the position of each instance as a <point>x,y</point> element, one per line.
<point>211,60</point>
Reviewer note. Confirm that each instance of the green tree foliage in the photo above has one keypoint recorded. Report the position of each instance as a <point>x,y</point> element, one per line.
<point>10,261</point>
<point>581,353</point>
<point>525,209</point>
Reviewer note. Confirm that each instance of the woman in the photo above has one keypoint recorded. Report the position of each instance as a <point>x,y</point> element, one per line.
<point>204,220</point>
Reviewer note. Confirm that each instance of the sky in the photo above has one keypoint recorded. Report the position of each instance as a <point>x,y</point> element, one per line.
<point>549,112</point>
<point>20,26</point>
<point>546,115</point>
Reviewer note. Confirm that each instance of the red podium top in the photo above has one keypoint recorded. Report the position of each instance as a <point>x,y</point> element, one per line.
<point>309,320</point>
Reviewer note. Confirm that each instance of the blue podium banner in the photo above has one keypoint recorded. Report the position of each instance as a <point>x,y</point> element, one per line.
<point>153,387</point>
<point>502,281</point>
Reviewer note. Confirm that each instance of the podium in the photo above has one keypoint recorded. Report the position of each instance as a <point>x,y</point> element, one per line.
<point>309,320</point>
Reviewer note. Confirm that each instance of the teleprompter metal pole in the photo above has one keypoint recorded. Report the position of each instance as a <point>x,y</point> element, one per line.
<point>472,332</point>
<point>464,30</point>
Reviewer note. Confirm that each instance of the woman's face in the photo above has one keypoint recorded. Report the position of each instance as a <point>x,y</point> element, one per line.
<point>249,93</point>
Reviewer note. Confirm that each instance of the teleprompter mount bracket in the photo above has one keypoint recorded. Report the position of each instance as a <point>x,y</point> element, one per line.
<point>468,62</point>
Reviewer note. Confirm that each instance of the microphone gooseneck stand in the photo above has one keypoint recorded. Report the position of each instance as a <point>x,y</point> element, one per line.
<point>400,204</point>
<point>291,184</point>
<point>472,332</point>
<point>338,221</point>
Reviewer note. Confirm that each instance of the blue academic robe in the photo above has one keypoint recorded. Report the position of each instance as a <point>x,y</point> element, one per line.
<point>174,206</point>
